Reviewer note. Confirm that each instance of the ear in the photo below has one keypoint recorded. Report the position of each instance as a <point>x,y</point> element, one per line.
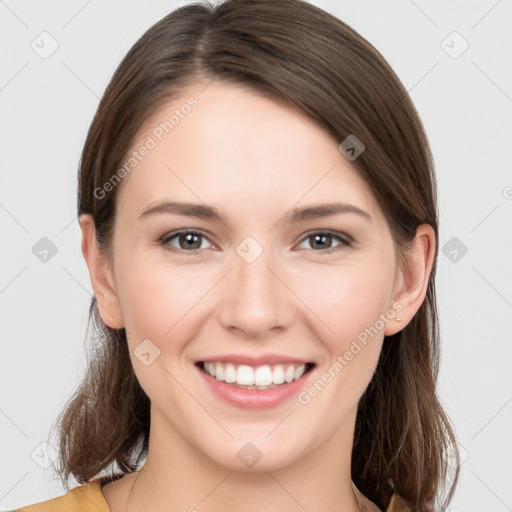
<point>413,278</point>
<point>101,275</point>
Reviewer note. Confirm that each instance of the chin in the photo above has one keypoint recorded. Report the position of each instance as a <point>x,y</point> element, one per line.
<point>255,453</point>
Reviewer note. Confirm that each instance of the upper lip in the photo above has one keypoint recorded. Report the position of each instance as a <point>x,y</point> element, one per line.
<point>266,359</point>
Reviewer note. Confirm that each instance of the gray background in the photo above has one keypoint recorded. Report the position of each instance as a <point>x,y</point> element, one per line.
<point>47,105</point>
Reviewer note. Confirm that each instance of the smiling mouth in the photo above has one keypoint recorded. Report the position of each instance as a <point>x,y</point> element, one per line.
<point>258,378</point>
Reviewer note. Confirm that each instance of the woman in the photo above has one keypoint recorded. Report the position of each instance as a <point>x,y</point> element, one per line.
<point>249,365</point>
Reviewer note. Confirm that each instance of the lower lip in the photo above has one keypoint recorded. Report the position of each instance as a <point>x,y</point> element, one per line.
<point>252,398</point>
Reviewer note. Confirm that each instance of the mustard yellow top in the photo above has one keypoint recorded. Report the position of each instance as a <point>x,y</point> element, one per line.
<point>85,498</point>
<point>89,498</point>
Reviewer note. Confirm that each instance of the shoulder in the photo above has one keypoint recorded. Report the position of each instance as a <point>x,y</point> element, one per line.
<point>85,498</point>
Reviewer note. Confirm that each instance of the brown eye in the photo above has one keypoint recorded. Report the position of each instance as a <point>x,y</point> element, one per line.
<point>320,239</point>
<point>187,240</point>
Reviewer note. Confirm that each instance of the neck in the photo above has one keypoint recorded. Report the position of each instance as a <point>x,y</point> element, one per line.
<point>178,477</point>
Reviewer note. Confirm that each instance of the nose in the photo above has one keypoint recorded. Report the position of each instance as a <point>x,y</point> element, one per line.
<point>256,301</point>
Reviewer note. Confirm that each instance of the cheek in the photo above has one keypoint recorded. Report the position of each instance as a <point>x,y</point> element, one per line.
<point>157,299</point>
<point>349,298</point>
<point>158,304</point>
<point>348,303</point>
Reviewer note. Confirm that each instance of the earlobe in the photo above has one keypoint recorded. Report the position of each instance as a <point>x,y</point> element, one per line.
<point>101,275</point>
<point>414,278</point>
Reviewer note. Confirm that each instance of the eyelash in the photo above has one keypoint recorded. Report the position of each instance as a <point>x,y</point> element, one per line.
<point>345,240</point>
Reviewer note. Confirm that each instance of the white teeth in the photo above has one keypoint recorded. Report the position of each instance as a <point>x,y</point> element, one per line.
<point>261,378</point>
<point>245,375</point>
<point>219,371</point>
<point>278,374</point>
<point>299,371</point>
<point>230,373</point>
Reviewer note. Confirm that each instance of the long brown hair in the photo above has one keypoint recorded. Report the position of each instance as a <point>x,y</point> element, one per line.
<point>295,52</point>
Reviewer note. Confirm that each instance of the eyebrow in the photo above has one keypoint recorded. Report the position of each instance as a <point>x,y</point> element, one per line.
<point>296,215</point>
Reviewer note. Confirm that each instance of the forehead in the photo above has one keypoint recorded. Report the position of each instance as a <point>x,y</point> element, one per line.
<point>235,147</point>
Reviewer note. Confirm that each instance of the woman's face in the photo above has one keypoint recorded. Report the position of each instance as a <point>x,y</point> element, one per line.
<point>253,283</point>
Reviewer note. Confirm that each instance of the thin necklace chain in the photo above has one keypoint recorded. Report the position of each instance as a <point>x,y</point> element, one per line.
<point>360,506</point>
